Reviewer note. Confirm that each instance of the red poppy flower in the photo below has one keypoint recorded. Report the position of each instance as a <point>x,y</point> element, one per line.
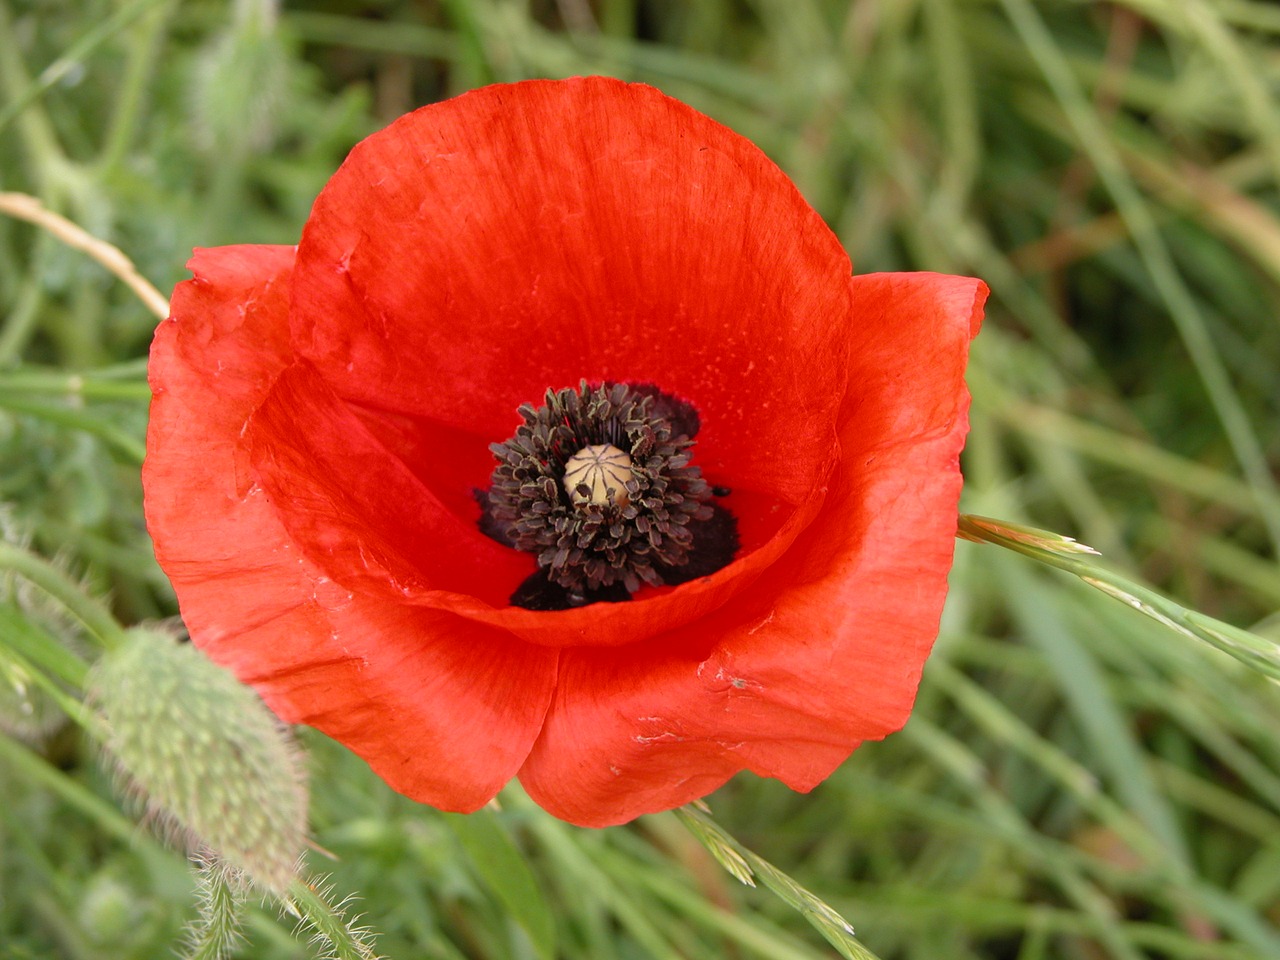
<point>321,433</point>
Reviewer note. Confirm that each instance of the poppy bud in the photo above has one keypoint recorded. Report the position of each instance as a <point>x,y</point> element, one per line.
<point>207,758</point>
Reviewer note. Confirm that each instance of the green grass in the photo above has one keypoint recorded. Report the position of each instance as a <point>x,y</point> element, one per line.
<point>1078,781</point>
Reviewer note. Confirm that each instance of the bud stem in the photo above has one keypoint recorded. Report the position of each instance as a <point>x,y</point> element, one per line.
<point>40,572</point>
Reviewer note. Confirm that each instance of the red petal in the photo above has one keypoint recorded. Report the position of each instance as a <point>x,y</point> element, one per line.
<point>358,510</point>
<point>826,650</point>
<point>522,237</point>
<point>443,709</point>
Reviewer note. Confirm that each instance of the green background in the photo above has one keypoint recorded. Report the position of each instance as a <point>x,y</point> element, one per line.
<point>1077,781</point>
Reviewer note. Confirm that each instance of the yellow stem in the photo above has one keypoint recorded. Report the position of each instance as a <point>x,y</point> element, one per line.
<point>28,208</point>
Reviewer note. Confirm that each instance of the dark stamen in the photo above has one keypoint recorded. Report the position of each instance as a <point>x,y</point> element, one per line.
<point>631,510</point>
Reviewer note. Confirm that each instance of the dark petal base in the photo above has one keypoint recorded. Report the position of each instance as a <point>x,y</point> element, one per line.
<point>489,525</point>
<point>715,541</point>
<point>681,414</point>
<point>540,592</point>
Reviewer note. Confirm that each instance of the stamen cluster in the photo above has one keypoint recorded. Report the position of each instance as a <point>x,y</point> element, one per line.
<point>588,544</point>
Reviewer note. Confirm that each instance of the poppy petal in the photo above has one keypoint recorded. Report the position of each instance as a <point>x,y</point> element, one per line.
<point>443,282</point>
<point>357,509</point>
<point>827,649</point>
<point>395,683</point>
<point>525,237</point>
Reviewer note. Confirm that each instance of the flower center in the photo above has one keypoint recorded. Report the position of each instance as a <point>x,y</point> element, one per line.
<point>598,474</point>
<point>597,482</point>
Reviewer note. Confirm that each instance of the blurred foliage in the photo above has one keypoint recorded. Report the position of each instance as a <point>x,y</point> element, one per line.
<point>1077,782</point>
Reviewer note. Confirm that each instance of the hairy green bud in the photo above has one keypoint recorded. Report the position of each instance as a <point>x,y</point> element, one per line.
<point>204,753</point>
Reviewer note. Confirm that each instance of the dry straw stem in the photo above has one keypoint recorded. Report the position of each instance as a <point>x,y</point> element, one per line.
<point>26,207</point>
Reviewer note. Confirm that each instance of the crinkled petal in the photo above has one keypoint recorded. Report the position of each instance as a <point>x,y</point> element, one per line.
<point>342,492</point>
<point>827,648</point>
<point>443,709</point>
